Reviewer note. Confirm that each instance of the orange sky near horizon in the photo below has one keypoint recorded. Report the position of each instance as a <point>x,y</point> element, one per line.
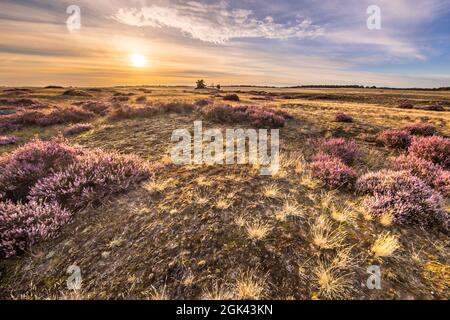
<point>37,48</point>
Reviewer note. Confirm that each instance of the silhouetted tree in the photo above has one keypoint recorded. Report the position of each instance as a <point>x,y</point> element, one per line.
<point>218,87</point>
<point>201,84</point>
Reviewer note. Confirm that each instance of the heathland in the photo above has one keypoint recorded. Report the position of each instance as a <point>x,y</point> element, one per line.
<point>86,180</point>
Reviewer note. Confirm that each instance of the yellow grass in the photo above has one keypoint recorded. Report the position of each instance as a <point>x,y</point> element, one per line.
<point>385,245</point>
<point>257,230</point>
<point>250,286</point>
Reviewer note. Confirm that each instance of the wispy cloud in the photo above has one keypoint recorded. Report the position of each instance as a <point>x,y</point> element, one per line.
<point>325,44</point>
<point>216,23</point>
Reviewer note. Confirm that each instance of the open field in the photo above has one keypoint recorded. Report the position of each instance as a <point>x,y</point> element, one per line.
<point>225,231</point>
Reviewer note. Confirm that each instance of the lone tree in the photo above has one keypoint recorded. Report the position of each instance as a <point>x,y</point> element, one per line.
<point>201,84</point>
<point>218,87</point>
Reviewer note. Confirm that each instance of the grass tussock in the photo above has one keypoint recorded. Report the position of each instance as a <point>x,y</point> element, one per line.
<point>385,245</point>
<point>250,286</point>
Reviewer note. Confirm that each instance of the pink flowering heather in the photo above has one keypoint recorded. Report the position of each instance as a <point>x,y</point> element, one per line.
<point>346,150</point>
<point>202,103</point>
<point>22,168</point>
<point>77,128</point>
<point>5,140</point>
<point>128,112</point>
<point>175,107</point>
<point>420,129</point>
<point>407,197</point>
<point>22,225</point>
<point>231,97</point>
<point>65,115</point>
<point>97,107</point>
<point>256,116</point>
<point>89,179</point>
<point>442,182</point>
<point>435,149</point>
<point>332,172</point>
<point>117,98</point>
<point>342,117</point>
<point>394,138</point>
<point>18,120</point>
<point>430,173</point>
<point>23,103</point>
<point>406,105</point>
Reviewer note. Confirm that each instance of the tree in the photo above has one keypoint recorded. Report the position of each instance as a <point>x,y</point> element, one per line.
<point>201,84</point>
<point>218,87</point>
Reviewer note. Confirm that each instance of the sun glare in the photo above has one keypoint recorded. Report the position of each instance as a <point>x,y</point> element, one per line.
<point>138,60</point>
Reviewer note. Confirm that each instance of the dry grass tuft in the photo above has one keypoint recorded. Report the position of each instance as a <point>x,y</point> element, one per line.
<point>344,259</point>
<point>217,293</point>
<point>272,191</point>
<point>290,209</point>
<point>204,182</point>
<point>258,230</point>
<point>201,200</point>
<point>250,286</point>
<point>342,214</point>
<point>332,284</point>
<point>308,182</point>
<point>155,186</point>
<point>188,279</point>
<point>385,245</point>
<point>298,163</point>
<point>326,200</point>
<point>223,203</point>
<point>158,294</point>
<point>240,220</point>
<point>386,219</point>
<point>325,235</point>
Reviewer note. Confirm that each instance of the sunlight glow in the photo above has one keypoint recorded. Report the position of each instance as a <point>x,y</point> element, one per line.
<point>138,60</point>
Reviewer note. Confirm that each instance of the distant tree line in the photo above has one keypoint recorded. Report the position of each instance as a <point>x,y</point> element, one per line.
<point>200,84</point>
<point>369,87</point>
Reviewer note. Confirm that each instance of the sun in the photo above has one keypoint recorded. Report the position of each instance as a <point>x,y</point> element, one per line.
<point>138,60</point>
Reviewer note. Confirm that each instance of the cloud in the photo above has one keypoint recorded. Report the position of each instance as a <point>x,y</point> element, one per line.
<point>390,45</point>
<point>215,23</point>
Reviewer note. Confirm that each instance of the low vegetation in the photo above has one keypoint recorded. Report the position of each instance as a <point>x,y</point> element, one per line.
<point>86,178</point>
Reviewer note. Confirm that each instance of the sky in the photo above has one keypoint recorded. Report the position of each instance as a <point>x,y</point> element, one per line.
<point>257,42</point>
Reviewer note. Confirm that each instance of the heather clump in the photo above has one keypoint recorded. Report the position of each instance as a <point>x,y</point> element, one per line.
<point>332,172</point>
<point>231,97</point>
<point>406,105</point>
<point>89,179</point>
<point>256,116</point>
<point>76,129</point>
<point>22,168</point>
<point>19,120</point>
<point>435,149</point>
<point>61,115</point>
<point>43,182</point>
<point>394,138</point>
<point>6,140</point>
<point>342,117</point>
<point>22,225</point>
<point>175,107</point>
<point>129,112</point>
<point>420,129</point>
<point>406,197</point>
<point>76,93</point>
<point>346,150</point>
<point>429,172</point>
<point>97,107</point>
